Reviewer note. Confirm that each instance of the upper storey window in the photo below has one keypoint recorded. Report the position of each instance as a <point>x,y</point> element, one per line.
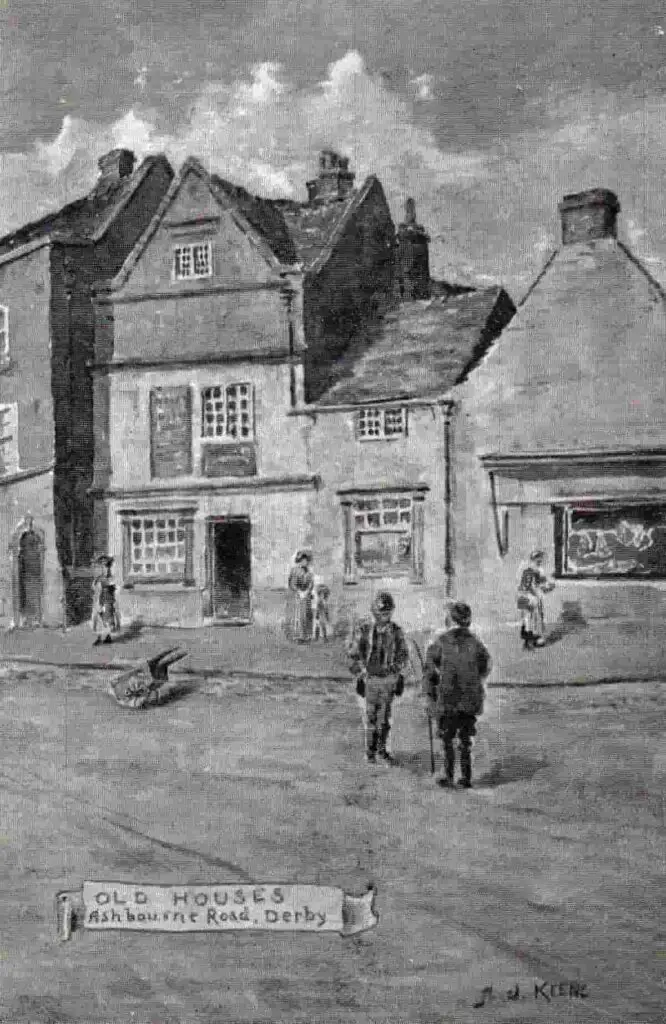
<point>376,424</point>
<point>193,261</point>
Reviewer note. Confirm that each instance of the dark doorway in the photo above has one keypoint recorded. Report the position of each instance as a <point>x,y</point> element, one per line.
<point>232,569</point>
<point>30,583</point>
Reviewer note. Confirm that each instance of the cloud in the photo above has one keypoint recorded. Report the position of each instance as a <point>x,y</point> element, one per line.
<point>422,87</point>
<point>491,213</point>
<point>141,79</point>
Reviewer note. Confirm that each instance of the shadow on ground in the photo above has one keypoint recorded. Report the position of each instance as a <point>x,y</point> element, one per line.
<point>560,631</point>
<point>176,691</point>
<point>132,632</point>
<point>515,768</point>
<point>417,762</point>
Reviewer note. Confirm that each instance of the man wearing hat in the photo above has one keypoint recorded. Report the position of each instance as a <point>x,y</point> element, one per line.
<point>456,665</point>
<point>378,657</point>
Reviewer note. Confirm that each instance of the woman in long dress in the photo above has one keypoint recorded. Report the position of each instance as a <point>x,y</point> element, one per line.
<point>299,603</point>
<point>534,583</point>
<point>105,620</point>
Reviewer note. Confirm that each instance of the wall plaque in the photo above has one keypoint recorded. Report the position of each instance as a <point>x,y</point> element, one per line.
<point>229,459</point>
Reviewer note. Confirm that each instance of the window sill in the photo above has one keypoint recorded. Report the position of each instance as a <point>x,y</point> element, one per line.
<point>370,440</point>
<point>362,577</point>
<point>158,581</point>
<point>224,441</point>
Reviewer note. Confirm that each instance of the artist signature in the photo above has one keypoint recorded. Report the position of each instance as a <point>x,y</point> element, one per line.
<point>539,991</point>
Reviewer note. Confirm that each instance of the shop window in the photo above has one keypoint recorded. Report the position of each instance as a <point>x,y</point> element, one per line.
<point>384,536</point>
<point>193,261</point>
<point>227,413</point>
<point>9,454</point>
<point>157,548</point>
<point>379,424</point>
<point>603,541</point>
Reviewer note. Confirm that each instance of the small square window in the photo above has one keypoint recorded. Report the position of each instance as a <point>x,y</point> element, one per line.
<point>376,424</point>
<point>191,262</point>
<point>227,413</point>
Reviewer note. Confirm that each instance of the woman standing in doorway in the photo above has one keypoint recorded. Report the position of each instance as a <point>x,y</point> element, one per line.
<point>299,602</point>
<point>534,583</point>
<point>105,620</point>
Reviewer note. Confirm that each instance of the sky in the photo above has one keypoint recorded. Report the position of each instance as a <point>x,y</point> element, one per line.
<point>487,112</point>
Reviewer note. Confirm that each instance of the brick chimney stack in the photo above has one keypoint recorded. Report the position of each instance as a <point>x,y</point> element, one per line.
<point>334,182</point>
<point>587,216</point>
<point>413,258</point>
<point>115,166</point>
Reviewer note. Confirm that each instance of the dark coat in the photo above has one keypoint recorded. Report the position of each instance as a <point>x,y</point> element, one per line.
<point>456,665</point>
<point>360,649</point>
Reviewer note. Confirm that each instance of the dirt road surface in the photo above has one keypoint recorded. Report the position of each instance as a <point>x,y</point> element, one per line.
<point>551,872</point>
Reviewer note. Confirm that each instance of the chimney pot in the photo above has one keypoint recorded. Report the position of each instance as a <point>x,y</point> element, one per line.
<point>413,258</point>
<point>335,181</point>
<point>590,215</point>
<point>116,165</point>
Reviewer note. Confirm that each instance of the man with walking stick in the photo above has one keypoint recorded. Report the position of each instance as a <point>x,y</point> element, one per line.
<point>378,658</point>
<point>456,665</point>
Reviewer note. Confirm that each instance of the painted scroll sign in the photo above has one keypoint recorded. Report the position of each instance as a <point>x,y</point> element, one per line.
<point>123,906</point>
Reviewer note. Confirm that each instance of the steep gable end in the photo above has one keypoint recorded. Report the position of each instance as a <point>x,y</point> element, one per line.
<point>581,365</point>
<point>198,238</point>
<point>316,229</point>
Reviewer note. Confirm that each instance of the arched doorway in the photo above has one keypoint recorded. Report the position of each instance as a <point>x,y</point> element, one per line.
<point>28,573</point>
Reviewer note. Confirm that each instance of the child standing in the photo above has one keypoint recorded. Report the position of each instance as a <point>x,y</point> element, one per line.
<point>456,665</point>
<point>322,615</point>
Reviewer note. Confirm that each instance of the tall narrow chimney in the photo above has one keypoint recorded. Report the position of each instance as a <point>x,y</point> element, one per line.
<point>334,182</point>
<point>587,216</point>
<point>413,259</point>
<point>115,166</point>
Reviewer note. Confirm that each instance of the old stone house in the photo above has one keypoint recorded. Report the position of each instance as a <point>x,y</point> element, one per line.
<point>382,440</point>
<point>46,340</point>
<point>230,310</point>
<point>561,437</point>
<point>267,374</point>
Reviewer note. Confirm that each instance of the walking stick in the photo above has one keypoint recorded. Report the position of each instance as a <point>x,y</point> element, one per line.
<point>428,715</point>
<point>432,747</point>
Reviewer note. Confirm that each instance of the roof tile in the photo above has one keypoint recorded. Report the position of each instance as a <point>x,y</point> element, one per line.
<point>82,218</point>
<point>420,349</point>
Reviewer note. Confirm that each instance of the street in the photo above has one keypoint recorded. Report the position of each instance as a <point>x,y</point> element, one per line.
<point>535,897</point>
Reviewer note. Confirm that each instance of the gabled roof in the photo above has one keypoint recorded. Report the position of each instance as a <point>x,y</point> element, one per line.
<point>85,219</point>
<point>253,215</point>
<point>581,365</point>
<point>290,234</point>
<point>315,228</point>
<point>421,349</point>
<point>264,216</point>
